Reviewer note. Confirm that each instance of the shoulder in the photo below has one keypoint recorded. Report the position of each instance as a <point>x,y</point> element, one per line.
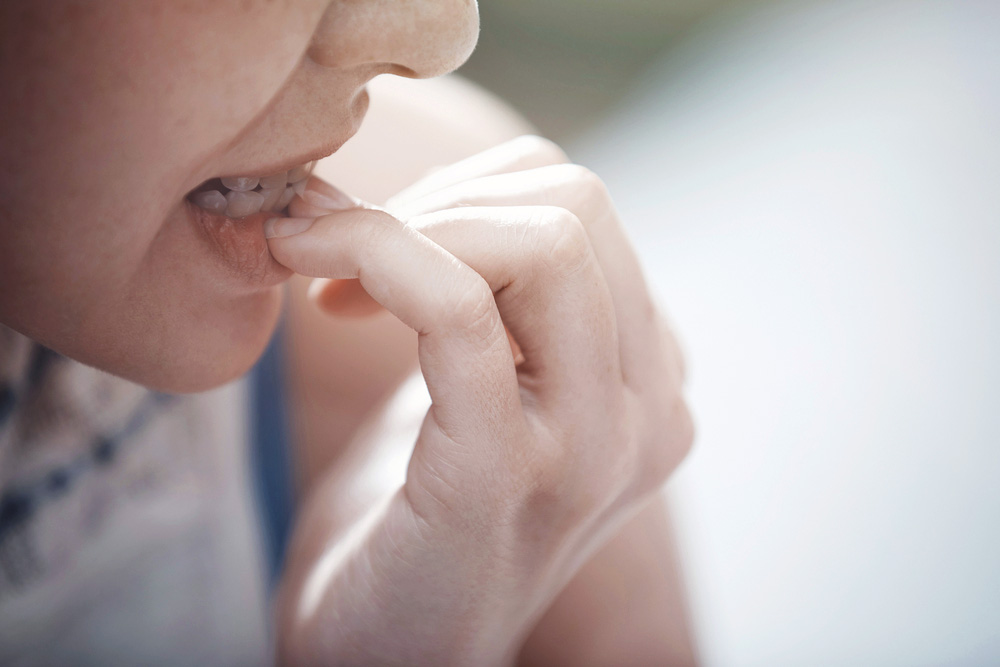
<point>412,127</point>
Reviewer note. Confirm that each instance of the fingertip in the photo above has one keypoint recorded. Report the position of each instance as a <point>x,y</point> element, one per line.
<point>299,208</point>
<point>320,198</point>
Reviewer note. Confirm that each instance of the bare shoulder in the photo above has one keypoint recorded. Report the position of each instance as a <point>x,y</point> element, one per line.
<point>415,125</point>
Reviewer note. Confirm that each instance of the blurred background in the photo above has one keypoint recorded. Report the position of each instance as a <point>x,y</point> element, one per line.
<point>815,190</point>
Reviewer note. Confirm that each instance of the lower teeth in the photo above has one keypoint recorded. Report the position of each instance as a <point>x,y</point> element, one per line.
<point>242,204</point>
<point>236,204</point>
<point>212,201</point>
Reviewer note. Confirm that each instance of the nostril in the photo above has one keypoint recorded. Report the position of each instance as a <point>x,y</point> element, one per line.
<point>402,70</point>
<point>416,40</point>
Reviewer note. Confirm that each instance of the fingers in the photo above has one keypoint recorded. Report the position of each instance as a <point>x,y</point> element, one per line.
<point>579,191</point>
<point>344,298</point>
<point>548,287</point>
<point>527,152</point>
<point>549,290</point>
<point>464,353</point>
<point>347,298</point>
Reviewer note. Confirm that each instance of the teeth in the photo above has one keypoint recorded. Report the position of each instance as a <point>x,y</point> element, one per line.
<point>271,198</point>
<point>241,196</point>
<point>286,199</point>
<point>242,204</point>
<point>241,183</point>
<point>274,181</point>
<point>296,174</point>
<point>213,201</point>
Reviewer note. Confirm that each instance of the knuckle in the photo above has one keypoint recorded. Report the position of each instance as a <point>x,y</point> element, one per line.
<point>589,188</point>
<point>587,179</point>
<point>368,231</point>
<point>563,241</point>
<point>473,309</point>
<point>684,430</point>
<point>545,149</point>
<point>669,448</point>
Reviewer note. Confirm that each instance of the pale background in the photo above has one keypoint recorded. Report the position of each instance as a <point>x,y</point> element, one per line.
<point>815,190</point>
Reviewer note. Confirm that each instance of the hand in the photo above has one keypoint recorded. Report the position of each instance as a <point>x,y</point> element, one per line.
<point>519,472</point>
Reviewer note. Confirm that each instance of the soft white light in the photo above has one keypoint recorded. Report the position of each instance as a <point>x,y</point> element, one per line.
<point>813,188</point>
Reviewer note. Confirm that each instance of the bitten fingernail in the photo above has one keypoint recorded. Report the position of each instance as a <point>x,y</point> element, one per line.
<point>276,228</point>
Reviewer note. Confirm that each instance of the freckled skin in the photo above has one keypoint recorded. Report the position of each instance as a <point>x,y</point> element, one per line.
<point>114,110</point>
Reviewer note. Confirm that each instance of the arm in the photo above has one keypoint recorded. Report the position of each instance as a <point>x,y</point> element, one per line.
<point>627,600</point>
<point>626,606</point>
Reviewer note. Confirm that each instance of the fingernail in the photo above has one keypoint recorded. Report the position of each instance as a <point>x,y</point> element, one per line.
<point>331,199</point>
<point>276,228</point>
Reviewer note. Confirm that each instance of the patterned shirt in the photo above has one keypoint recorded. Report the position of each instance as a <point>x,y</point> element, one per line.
<point>127,528</point>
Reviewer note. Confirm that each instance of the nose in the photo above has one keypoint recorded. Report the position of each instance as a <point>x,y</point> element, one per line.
<point>412,38</point>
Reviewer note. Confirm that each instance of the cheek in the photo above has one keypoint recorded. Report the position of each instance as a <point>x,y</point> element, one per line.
<point>186,321</point>
<point>113,111</point>
<point>117,109</point>
<point>175,324</point>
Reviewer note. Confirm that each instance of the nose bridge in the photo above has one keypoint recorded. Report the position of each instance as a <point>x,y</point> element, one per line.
<point>414,38</point>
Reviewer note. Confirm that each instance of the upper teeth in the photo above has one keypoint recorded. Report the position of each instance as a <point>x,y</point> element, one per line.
<point>241,183</point>
<point>240,196</point>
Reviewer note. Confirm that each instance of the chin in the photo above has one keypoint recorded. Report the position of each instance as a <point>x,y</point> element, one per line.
<point>193,355</point>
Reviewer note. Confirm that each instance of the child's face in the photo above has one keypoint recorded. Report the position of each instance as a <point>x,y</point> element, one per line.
<point>113,111</point>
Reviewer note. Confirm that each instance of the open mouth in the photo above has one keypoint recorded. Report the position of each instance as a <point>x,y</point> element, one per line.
<point>241,196</point>
<point>229,213</point>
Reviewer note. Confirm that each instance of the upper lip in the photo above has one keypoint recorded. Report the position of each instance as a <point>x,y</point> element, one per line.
<point>324,150</point>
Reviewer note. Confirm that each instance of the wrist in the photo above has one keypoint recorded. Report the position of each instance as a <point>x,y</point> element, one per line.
<point>389,592</point>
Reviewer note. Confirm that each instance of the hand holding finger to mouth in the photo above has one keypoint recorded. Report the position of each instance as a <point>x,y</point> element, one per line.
<point>519,472</point>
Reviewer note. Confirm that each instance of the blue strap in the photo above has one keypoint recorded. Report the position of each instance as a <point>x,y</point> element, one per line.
<point>271,455</point>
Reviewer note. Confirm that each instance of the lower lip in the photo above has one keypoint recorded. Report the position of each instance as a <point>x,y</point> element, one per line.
<point>240,246</point>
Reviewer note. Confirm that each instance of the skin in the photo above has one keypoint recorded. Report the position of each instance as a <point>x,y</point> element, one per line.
<point>575,439</point>
<point>123,108</point>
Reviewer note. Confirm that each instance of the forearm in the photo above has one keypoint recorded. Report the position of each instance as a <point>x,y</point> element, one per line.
<point>626,606</point>
<point>388,594</point>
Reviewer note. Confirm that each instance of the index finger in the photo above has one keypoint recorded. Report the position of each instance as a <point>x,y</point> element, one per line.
<point>463,349</point>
